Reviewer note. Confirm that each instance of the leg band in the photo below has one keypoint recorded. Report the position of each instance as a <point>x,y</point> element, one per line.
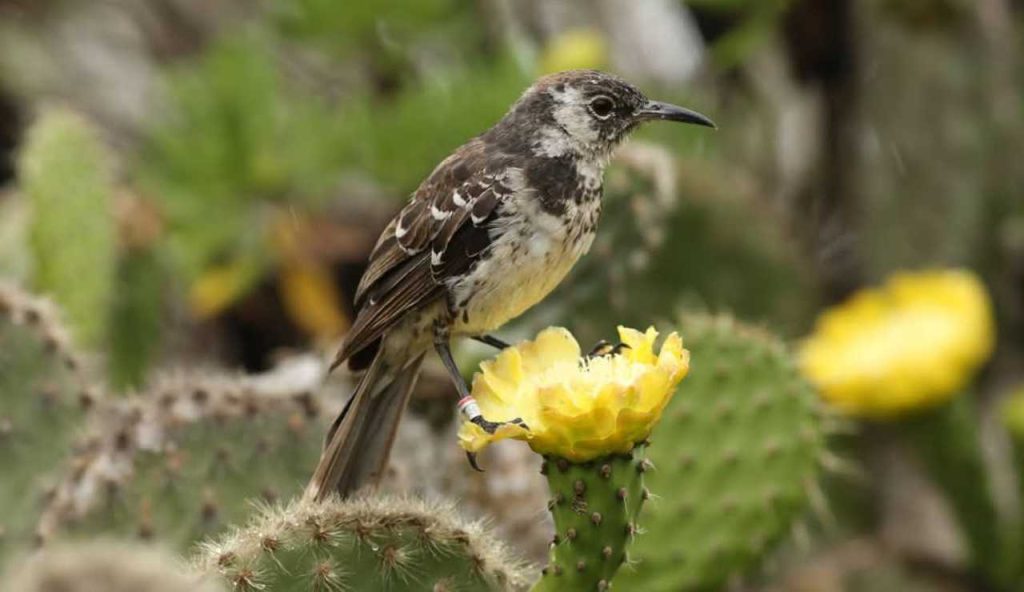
<point>468,407</point>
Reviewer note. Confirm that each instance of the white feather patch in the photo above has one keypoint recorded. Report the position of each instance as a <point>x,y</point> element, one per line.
<point>552,142</point>
<point>439,215</point>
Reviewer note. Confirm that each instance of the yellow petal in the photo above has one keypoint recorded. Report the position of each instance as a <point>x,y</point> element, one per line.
<point>507,367</point>
<point>641,345</point>
<point>553,346</point>
<point>310,297</point>
<point>912,343</point>
<point>474,439</point>
<point>218,288</point>
<point>578,409</point>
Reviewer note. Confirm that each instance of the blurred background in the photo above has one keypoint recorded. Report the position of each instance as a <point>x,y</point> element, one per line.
<point>198,184</point>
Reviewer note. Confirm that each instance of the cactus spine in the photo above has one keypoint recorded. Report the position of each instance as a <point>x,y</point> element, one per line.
<point>595,506</point>
<point>181,461</point>
<point>364,544</point>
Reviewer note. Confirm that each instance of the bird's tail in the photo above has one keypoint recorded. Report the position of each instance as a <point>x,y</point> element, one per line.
<point>359,441</point>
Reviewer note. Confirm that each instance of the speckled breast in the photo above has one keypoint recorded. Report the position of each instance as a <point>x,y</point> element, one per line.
<point>531,254</point>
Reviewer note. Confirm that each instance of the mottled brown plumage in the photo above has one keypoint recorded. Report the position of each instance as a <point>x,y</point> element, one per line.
<point>488,234</point>
<point>401,275</point>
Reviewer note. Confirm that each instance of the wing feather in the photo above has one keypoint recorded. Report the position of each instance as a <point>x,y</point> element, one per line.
<point>378,315</point>
<point>437,236</point>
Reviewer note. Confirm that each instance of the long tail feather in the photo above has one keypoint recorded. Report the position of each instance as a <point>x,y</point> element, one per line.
<point>359,442</point>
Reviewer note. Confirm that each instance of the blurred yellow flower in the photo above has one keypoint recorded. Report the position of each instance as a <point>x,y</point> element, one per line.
<point>218,288</point>
<point>308,291</point>
<point>910,344</point>
<point>573,50</point>
<point>310,296</point>
<point>577,408</point>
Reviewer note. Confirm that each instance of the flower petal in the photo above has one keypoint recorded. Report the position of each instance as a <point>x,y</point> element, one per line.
<point>473,438</point>
<point>577,409</point>
<point>641,345</point>
<point>909,344</point>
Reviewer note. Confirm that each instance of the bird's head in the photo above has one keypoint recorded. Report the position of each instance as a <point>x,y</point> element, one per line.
<point>586,113</point>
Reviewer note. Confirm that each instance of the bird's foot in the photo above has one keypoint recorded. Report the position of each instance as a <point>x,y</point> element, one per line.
<point>490,427</point>
<point>604,349</point>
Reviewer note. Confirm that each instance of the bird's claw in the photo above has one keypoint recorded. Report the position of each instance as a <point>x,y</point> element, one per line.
<point>490,427</point>
<point>604,349</point>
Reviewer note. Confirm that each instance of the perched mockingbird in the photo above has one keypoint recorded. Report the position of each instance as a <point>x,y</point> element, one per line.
<point>490,233</point>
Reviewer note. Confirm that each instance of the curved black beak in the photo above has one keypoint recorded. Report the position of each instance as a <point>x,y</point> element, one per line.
<point>669,112</point>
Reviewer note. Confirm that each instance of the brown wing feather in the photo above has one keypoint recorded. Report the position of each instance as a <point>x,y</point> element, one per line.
<point>438,234</point>
<point>386,255</point>
<point>458,247</point>
<point>379,314</point>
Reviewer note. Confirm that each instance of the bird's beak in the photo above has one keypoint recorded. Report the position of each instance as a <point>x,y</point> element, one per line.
<point>669,112</point>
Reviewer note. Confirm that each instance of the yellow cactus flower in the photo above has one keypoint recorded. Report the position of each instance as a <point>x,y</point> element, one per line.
<point>218,288</point>
<point>311,298</point>
<point>308,292</point>
<point>575,49</point>
<point>910,344</point>
<point>577,408</point>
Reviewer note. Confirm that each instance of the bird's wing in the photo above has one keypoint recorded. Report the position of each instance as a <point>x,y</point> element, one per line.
<point>437,236</point>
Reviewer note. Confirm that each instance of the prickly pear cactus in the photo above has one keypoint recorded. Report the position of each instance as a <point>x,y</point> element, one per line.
<point>364,544</point>
<point>182,461</point>
<point>65,172</point>
<point>107,567</point>
<point>595,506</point>
<point>735,459</point>
<point>44,396</point>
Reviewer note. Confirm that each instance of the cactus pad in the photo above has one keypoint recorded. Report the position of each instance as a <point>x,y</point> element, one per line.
<point>364,544</point>
<point>735,457</point>
<point>182,461</point>
<point>65,172</point>
<point>106,567</point>
<point>44,397</point>
<point>595,506</point>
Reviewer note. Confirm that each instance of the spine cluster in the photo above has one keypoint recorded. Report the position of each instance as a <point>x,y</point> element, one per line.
<point>596,507</point>
<point>377,543</point>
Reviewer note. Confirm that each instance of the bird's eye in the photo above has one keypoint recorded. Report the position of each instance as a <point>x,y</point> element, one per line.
<point>602,107</point>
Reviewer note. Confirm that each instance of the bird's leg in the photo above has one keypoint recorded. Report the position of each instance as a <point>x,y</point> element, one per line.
<point>603,348</point>
<point>491,341</point>
<point>467,404</point>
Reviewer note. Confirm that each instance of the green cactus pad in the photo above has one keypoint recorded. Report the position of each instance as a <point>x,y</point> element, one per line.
<point>44,397</point>
<point>595,506</point>
<point>65,172</point>
<point>735,456</point>
<point>183,461</point>
<point>375,543</point>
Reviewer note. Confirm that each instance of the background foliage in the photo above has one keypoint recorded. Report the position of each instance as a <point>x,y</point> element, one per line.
<point>198,185</point>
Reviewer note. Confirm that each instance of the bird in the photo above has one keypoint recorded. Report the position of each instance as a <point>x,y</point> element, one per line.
<point>488,234</point>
